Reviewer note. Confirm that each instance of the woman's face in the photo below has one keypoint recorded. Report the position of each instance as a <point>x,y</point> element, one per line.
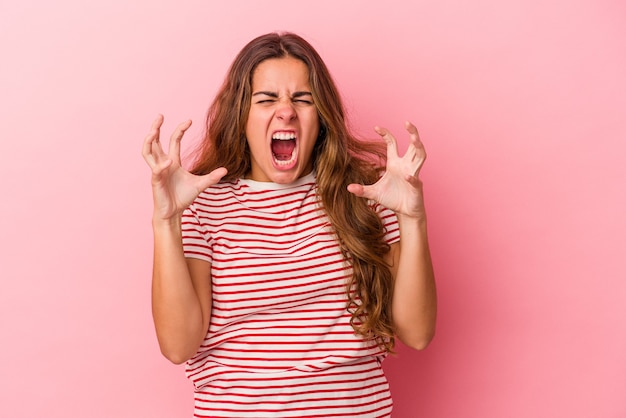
<point>283,123</point>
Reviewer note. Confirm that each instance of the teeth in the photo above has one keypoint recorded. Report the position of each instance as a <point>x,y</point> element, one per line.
<point>283,136</point>
<point>286,162</point>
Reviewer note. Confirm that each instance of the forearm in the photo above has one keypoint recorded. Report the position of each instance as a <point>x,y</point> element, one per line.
<point>176,309</point>
<point>414,306</point>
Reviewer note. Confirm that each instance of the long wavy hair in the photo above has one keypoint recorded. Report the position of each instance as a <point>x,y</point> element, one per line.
<point>339,158</point>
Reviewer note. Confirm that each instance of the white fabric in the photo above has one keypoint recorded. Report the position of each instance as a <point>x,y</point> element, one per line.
<point>280,342</point>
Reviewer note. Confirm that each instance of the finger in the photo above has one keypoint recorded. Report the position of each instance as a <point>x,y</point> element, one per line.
<point>356,189</point>
<point>152,139</point>
<point>158,122</point>
<point>157,153</point>
<point>412,130</point>
<point>415,140</point>
<point>212,178</point>
<point>392,148</point>
<point>361,190</point>
<point>177,136</point>
<point>414,181</point>
<point>416,148</point>
<point>159,168</point>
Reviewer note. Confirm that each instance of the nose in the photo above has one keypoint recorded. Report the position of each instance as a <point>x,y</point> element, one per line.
<point>285,110</point>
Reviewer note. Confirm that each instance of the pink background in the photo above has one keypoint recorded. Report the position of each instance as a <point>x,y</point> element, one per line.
<point>522,107</point>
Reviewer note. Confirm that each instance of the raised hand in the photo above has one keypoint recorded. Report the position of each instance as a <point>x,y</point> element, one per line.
<point>173,187</point>
<point>400,188</point>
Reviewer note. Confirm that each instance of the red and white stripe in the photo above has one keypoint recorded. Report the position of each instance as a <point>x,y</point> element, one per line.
<point>280,342</point>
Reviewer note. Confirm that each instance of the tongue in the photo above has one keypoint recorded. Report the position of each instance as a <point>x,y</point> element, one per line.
<point>282,150</point>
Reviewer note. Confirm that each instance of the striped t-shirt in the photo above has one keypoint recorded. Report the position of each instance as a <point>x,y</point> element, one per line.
<point>280,343</point>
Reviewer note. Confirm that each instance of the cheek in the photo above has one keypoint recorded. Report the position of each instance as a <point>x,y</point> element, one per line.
<point>252,126</point>
<point>257,121</point>
<point>311,119</point>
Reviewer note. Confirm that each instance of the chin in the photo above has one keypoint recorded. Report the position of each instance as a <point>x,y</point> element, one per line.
<point>285,178</point>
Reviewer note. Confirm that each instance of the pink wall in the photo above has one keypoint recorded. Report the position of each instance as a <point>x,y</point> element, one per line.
<point>521,104</point>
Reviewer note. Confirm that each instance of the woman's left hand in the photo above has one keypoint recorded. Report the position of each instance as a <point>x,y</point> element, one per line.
<point>400,188</point>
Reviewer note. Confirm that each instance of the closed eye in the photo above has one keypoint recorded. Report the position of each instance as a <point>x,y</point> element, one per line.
<point>303,97</point>
<point>265,97</point>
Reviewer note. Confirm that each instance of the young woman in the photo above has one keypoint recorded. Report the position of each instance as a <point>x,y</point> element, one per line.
<point>292,255</point>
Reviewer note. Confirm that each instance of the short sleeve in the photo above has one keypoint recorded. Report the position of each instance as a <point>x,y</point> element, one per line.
<point>197,242</point>
<point>390,223</point>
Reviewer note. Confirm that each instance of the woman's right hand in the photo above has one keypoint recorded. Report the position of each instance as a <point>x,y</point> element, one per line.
<point>173,187</point>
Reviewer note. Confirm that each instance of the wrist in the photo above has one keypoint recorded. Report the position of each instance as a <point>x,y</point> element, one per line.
<point>164,224</point>
<point>412,220</point>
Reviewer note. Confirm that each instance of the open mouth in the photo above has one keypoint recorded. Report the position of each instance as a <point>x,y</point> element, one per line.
<point>283,148</point>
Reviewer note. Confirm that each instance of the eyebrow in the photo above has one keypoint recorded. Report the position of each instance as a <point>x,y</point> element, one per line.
<point>273,94</point>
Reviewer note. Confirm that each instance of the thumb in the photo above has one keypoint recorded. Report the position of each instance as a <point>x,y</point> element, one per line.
<point>361,190</point>
<point>212,178</point>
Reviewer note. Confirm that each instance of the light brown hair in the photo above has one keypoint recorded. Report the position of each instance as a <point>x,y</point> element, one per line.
<point>339,159</point>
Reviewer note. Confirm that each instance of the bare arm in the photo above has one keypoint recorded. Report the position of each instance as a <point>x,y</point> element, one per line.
<point>181,295</point>
<point>181,288</point>
<point>414,304</point>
